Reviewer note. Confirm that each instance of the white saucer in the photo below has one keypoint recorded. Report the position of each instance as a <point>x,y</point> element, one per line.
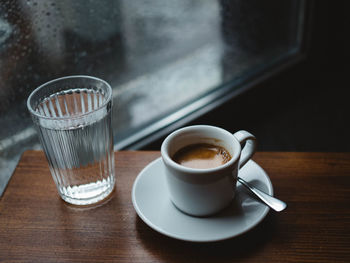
<point>152,203</point>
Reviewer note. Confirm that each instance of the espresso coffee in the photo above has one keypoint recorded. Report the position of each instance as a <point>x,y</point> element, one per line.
<point>202,156</point>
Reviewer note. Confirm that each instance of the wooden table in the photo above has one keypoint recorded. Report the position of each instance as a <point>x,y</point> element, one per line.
<point>37,226</point>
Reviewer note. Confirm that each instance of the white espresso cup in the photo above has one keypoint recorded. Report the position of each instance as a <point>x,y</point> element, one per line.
<point>203,192</point>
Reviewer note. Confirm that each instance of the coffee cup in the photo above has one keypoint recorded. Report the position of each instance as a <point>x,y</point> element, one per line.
<point>204,190</point>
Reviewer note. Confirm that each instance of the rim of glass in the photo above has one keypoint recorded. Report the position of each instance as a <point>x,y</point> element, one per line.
<point>106,101</point>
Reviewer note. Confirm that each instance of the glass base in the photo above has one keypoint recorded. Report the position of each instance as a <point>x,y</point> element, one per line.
<point>88,194</point>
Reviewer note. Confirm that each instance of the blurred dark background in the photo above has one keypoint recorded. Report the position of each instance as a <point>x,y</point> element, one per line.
<point>304,108</point>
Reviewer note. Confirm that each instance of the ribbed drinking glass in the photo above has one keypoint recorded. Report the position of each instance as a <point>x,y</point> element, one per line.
<point>72,116</point>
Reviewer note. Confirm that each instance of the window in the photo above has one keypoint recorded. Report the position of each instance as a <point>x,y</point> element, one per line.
<point>167,61</point>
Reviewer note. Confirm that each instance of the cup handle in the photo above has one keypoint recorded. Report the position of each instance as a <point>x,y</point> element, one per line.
<point>248,144</point>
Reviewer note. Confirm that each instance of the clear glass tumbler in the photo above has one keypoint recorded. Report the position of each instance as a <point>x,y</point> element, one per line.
<point>73,118</point>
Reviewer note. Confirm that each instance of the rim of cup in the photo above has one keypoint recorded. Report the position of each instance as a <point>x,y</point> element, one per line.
<point>168,159</point>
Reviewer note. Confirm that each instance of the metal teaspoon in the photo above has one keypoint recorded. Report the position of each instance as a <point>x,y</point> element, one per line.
<point>269,200</point>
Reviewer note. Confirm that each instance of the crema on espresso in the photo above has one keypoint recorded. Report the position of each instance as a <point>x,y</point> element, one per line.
<point>202,156</point>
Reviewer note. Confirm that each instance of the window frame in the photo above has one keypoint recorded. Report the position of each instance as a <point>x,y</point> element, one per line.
<point>224,93</point>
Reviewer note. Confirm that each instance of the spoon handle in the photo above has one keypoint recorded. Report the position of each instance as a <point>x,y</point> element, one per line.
<point>269,200</point>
